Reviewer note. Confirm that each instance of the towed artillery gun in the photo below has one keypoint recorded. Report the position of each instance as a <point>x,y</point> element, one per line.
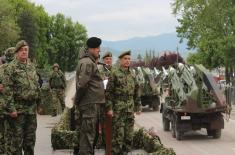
<point>191,100</point>
<point>148,88</point>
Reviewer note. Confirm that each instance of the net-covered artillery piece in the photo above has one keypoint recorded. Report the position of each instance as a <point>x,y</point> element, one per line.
<point>148,87</point>
<point>191,100</point>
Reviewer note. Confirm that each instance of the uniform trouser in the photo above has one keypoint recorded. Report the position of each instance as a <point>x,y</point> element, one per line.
<point>122,130</point>
<point>58,100</point>
<point>2,133</point>
<point>89,117</point>
<point>23,129</point>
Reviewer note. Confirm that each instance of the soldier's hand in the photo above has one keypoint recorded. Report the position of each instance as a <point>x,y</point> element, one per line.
<point>1,87</point>
<point>110,113</point>
<point>13,114</point>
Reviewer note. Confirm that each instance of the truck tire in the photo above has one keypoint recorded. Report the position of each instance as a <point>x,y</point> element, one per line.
<point>165,123</point>
<point>216,133</point>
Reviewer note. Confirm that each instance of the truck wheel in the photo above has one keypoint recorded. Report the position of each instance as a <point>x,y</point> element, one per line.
<point>166,123</point>
<point>216,133</point>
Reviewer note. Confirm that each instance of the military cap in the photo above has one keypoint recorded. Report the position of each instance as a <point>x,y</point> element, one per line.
<point>124,53</point>
<point>93,42</point>
<point>107,54</point>
<point>56,65</point>
<point>9,53</point>
<point>20,44</point>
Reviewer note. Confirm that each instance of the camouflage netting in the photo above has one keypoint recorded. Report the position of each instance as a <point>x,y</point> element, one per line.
<point>62,138</point>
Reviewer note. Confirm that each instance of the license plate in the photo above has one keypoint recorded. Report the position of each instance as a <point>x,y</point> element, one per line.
<point>185,117</point>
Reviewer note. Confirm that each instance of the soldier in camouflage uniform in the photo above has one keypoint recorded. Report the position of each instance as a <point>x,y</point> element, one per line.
<point>122,99</point>
<point>89,95</point>
<point>21,90</point>
<point>105,68</point>
<point>57,84</point>
<point>9,54</point>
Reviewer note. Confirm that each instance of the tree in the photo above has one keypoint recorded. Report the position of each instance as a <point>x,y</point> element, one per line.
<point>9,31</point>
<point>208,25</point>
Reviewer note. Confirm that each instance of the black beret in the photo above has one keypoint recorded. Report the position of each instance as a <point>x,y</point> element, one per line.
<point>20,44</point>
<point>124,53</point>
<point>107,54</point>
<point>93,42</point>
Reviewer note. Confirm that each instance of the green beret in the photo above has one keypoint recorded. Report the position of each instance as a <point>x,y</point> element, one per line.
<point>107,54</point>
<point>10,53</point>
<point>93,42</point>
<point>124,53</point>
<point>20,44</point>
<point>56,65</point>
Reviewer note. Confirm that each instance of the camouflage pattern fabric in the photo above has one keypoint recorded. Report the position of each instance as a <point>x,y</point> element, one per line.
<point>122,96</point>
<point>23,129</point>
<point>21,90</point>
<point>58,103</point>
<point>61,134</point>
<point>2,120</point>
<point>57,83</point>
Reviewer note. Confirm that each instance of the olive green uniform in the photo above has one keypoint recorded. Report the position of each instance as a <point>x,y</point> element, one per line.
<point>89,96</point>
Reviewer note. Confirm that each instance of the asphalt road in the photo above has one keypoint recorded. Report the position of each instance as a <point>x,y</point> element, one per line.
<point>193,143</point>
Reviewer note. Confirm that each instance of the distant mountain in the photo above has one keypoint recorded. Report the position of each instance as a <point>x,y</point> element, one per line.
<point>139,45</point>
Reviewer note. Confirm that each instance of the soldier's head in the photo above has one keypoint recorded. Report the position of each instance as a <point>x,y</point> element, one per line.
<point>10,54</point>
<point>107,58</point>
<point>93,45</point>
<point>56,67</point>
<point>125,59</point>
<point>22,51</point>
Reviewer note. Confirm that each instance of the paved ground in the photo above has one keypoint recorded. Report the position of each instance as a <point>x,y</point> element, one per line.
<point>194,143</point>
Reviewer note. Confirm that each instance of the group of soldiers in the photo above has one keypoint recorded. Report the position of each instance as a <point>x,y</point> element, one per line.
<point>20,98</point>
<point>120,100</point>
<point>20,85</point>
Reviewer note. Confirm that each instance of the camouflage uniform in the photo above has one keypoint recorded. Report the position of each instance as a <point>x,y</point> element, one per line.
<point>122,96</point>
<point>57,84</point>
<point>89,96</point>
<point>21,90</point>
<point>9,54</point>
<point>2,120</point>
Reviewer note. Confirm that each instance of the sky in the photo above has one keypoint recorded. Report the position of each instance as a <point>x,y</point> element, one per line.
<point>116,19</point>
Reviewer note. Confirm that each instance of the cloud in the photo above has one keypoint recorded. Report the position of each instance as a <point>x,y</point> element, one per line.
<point>115,20</point>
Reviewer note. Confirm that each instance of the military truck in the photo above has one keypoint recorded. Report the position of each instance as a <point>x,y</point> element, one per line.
<point>148,88</point>
<point>191,100</point>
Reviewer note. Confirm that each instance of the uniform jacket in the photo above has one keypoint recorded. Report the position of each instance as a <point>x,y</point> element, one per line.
<point>89,83</point>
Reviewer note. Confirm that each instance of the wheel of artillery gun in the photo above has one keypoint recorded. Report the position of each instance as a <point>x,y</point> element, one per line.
<point>216,133</point>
